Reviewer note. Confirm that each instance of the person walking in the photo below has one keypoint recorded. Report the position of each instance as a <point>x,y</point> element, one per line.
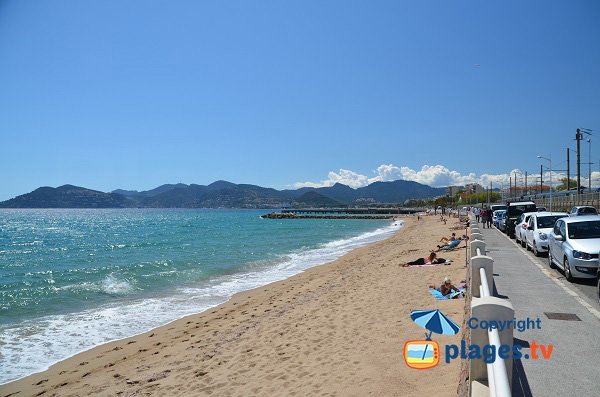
<point>484,215</point>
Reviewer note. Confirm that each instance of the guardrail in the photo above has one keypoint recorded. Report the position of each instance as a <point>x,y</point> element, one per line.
<point>494,378</point>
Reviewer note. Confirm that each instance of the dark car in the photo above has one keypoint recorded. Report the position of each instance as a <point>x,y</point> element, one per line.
<point>514,211</point>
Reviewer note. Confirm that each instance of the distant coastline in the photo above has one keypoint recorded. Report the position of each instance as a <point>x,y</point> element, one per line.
<point>223,194</point>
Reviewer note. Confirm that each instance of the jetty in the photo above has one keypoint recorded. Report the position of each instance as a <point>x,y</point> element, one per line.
<point>341,213</point>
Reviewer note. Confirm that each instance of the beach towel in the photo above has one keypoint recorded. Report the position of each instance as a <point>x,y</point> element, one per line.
<point>438,295</point>
<point>448,262</point>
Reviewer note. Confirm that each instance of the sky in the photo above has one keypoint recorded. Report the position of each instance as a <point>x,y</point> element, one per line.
<point>112,94</point>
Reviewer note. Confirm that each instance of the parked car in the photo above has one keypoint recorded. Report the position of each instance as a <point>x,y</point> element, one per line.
<point>502,221</point>
<point>574,245</point>
<point>521,227</point>
<point>514,211</point>
<point>496,207</point>
<point>496,216</point>
<point>539,226</point>
<point>583,210</point>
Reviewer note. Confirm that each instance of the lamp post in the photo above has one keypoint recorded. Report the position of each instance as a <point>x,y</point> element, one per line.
<point>550,160</point>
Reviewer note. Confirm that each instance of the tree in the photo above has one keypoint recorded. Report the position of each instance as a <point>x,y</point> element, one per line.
<point>563,184</point>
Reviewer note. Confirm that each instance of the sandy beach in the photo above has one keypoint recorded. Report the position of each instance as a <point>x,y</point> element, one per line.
<point>334,330</point>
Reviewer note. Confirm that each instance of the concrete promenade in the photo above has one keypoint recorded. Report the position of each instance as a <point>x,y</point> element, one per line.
<point>574,366</point>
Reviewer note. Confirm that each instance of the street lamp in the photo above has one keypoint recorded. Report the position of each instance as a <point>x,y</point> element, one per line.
<point>550,160</point>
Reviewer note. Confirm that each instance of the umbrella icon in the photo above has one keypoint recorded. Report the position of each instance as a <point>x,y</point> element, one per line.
<point>434,321</point>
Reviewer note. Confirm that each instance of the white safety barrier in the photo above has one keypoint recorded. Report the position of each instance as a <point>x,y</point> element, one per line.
<point>495,378</point>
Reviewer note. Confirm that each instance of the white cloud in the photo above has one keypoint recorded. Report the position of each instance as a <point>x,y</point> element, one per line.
<point>345,177</point>
<point>437,176</point>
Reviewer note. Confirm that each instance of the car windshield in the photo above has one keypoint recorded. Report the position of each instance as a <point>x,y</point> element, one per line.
<point>545,222</point>
<point>588,211</point>
<point>583,230</point>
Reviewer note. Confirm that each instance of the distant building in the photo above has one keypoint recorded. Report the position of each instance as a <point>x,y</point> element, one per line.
<point>474,188</point>
<point>453,190</point>
<point>533,189</point>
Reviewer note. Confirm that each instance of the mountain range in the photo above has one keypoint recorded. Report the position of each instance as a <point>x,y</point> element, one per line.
<point>223,194</point>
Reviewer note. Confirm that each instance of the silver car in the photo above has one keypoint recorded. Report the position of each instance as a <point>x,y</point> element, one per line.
<point>583,210</point>
<point>573,246</point>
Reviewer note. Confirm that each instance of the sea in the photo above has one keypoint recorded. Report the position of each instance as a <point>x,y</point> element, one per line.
<point>71,279</point>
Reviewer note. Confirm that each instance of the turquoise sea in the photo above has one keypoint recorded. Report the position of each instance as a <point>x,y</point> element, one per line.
<point>73,279</point>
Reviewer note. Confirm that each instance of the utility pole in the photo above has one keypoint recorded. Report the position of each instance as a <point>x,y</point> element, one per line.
<point>578,137</point>
<point>590,166</point>
<point>526,192</point>
<point>568,171</point>
<point>541,179</point>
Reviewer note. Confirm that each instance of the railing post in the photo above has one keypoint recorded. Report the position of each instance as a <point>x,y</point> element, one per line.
<point>487,309</point>
<point>478,262</point>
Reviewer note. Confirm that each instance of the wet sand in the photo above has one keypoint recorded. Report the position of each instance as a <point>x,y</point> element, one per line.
<point>333,330</point>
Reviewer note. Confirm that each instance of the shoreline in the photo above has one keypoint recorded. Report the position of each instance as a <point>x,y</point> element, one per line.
<point>363,239</point>
<point>134,364</point>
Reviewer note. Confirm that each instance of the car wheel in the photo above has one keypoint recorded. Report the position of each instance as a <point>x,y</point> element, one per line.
<point>527,247</point>
<point>550,263</point>
<point>523,243</point>
<point>567,270</point>
<point>535,250</point>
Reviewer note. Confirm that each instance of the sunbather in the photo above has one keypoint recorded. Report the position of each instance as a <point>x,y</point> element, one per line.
<point>446,239</point>
<point>447,288</point>
<point>452,244</point>
<point>428,260</point>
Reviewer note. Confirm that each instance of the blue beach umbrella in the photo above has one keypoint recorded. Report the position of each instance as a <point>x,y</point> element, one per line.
<point>434,321</point>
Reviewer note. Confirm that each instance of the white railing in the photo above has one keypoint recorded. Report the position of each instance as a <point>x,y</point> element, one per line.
<point>497,376</point>
<point>493,379</point>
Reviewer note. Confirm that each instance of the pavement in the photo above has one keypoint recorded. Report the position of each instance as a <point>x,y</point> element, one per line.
<point>535,290</point>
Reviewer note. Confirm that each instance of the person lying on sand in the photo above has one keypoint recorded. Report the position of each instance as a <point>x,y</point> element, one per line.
<point>446,239</point>
<point>446,288</point>
<point>452,243</point>
<point>428,260</point>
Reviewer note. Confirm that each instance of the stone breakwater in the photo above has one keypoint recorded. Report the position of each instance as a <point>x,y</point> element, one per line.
<point>279,215</point>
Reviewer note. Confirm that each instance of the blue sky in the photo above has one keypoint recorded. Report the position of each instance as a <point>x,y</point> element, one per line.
<point>112,94</point>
